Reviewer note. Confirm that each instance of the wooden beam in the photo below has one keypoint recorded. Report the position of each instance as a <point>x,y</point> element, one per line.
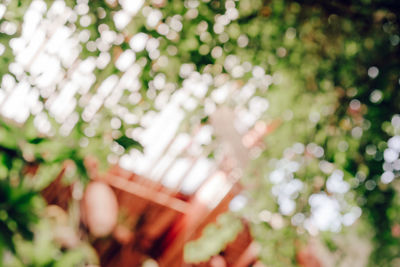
<point>248,256</point>
<point>146,193</point>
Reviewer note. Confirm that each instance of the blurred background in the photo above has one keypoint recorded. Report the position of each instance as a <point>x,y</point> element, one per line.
<point>199,133</point>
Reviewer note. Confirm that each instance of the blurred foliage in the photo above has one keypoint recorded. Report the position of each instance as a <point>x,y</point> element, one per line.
<point>329,97</point>
<point>24,226</point>
<point>214,239</point>
<point>42,250</point>
<point>17,213</point>
<point>330,72</point>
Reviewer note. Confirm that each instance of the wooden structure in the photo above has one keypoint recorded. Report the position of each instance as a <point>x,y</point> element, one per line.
<point>156,222</point>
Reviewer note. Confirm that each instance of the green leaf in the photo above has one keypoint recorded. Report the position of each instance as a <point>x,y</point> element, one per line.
<point>37,140</point>
<point>129,143</point>
<point>204,120</point>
